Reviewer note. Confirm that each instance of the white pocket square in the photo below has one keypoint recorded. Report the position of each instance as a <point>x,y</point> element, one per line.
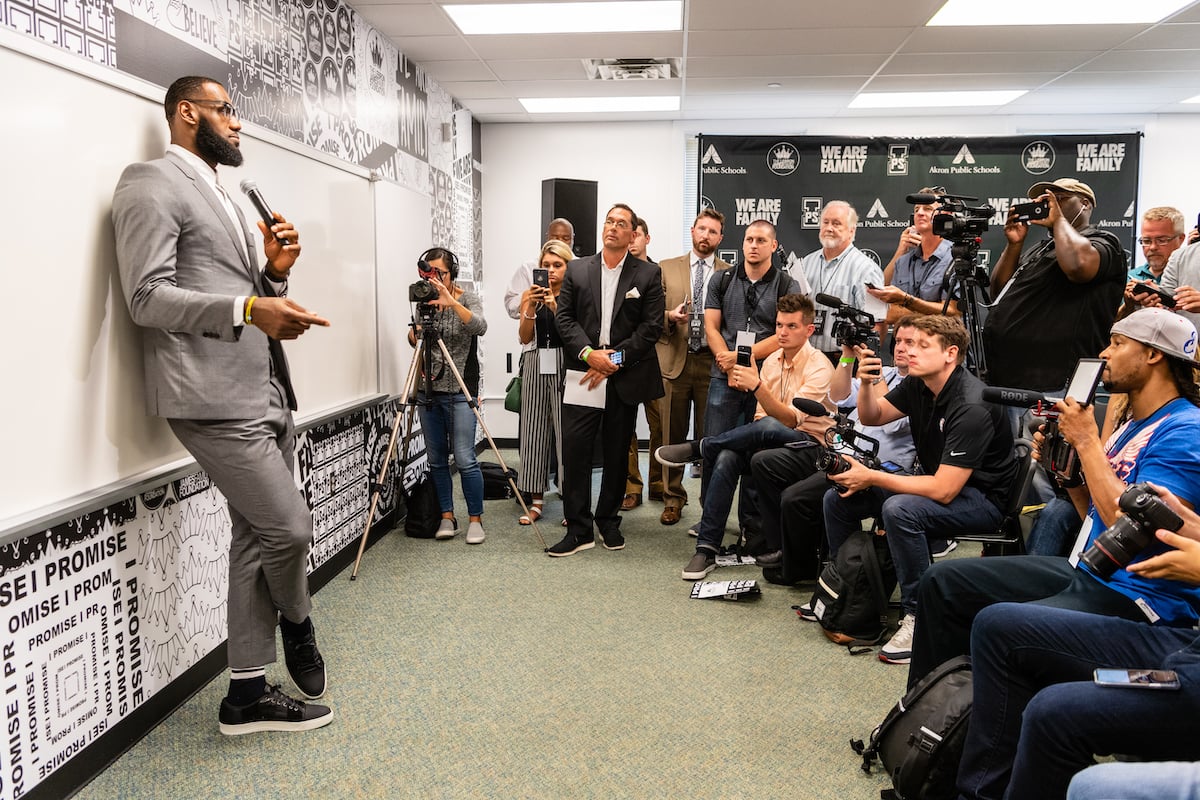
<point>633,294</point>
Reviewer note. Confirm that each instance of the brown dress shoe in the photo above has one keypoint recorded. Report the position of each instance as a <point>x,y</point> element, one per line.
<point>631,502</point>
<point>669,516</point>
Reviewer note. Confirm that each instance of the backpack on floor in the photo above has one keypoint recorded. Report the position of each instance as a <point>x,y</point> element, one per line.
<point>495,481</point>
<point>920,741</point>
<point>851,599</point>
<point>423,513</point>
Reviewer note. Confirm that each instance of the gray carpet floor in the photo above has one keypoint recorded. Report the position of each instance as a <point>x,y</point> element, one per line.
<point>495,671</point>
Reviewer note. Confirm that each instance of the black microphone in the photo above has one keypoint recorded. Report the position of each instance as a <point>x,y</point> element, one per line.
<point>829,300</point>
<point>810,407</point>
<point>1023,398</point>
<point>251,190</point>
<point>921,199</point>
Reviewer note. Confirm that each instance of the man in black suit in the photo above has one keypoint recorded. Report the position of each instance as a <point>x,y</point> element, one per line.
<point>610,314</point>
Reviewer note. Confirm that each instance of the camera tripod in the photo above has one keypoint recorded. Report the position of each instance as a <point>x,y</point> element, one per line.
<point>965,269</point>
<point>421,367</point>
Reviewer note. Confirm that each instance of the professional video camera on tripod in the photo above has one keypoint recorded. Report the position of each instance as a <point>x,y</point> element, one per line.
<point>963,226</point>
<point>432,295</point>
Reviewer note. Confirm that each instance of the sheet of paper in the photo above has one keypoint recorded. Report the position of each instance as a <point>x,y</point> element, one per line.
<point>577,394</point>
<point>875,307</point>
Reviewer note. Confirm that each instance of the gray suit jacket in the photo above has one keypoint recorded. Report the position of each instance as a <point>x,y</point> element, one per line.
<point>181,269</point>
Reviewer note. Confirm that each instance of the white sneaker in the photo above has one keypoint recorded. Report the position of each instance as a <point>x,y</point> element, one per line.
<point>898,650</point>
<point>475,534</point>
<point>448,529</point>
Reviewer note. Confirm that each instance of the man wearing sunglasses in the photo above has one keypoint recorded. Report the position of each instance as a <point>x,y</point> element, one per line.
<point>212,315</point>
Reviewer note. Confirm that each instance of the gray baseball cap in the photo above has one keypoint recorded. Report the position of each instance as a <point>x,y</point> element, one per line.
<point>1161,329</point>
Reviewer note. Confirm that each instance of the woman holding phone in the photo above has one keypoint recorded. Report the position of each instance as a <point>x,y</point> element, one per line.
<point>541,376</point>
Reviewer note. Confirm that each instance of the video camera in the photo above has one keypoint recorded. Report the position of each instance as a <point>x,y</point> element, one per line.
<point>1058,457</point>
<point>851,326</point>
<point>422,292</point>
<point>955,220</point>
<point>843,433</point>
<point>1133,531</point>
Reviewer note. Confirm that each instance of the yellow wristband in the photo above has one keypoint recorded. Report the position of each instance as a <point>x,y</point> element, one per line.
<point>249,306</point>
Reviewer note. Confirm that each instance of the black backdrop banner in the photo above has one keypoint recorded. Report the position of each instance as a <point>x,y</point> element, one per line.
<point>788,179</point>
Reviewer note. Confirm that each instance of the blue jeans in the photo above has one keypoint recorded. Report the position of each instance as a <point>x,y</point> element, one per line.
<point>908,519</point>
<point>1174,780</point>
<point>1037,716</point>
<point>449,423</point>
<point>725,410</point>
<point>726,460</point>
<point>1055,529</point>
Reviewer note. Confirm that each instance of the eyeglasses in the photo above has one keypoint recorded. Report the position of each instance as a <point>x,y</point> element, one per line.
<point>224,108</point>
<point>1161,241</point>
<point>620,224</point>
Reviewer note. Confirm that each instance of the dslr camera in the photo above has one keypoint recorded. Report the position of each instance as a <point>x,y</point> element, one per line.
<point>851,326</point>
<point>1145,513</point>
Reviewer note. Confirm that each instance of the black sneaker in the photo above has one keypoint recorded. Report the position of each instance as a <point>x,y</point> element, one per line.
<point>274,711</point>
<point>769,560</point>
<point>613,540</point>
<point>569,547</point>
<point>304,662</point>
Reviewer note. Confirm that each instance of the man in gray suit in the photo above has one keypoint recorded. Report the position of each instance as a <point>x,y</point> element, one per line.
<point>211,323</point>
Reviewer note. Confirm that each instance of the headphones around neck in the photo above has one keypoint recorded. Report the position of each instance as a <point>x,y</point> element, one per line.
<point>436,254</point>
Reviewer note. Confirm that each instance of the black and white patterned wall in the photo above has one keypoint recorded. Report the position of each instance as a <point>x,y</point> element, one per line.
<point>312,70</point>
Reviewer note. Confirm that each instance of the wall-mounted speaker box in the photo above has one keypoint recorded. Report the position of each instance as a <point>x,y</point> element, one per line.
<point>574,200</point>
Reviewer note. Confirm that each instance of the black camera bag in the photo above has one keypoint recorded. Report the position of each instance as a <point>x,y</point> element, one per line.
<point>851,599</point>
<point>495,481</point>
<point>423,513</point>
<point>920,741</point>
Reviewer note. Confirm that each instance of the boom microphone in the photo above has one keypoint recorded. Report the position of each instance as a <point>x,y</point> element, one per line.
<point>251,190</point>
<point>1023,398</point>
<point>829,300</point>
<point>810,407</point>
<point>921,199</point>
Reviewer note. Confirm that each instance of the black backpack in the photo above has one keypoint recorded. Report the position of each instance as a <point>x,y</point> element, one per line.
<point>423,513</point>
<point>851,600</point>
<point>920,741</point>
<point>495,481</point>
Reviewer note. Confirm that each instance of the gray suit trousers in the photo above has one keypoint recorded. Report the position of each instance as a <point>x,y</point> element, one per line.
<point>250,461</point>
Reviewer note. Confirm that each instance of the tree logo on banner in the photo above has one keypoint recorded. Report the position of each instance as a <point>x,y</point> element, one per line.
<point>783,159</point>
<point>877,210</point>
<point>1037,158</point>
<point>964,157</point>
<point>711,156</point>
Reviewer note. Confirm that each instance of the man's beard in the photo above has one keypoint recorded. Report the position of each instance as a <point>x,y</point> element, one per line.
<point>703,248</point>
<point>213,147</point>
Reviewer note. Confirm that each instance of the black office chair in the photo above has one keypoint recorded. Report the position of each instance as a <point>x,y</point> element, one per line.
<point>1007,538</point>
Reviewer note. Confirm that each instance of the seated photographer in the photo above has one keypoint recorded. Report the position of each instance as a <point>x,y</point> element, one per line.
<point>447,420</point>
<point>794,529</point>
<point>541,378</point>
<point>795,370</point>
<point>964,449</point>
<point>1151,357</point>
<point>1038,716</point>
<point>916,280</point>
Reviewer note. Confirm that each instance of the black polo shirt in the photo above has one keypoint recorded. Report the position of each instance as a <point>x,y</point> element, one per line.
<point>960,428</point>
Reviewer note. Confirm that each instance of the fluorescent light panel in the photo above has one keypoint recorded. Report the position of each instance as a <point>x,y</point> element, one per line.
<point>934,99</point>
<point>1058,12</point>
<point>585,105</point>
<point>1195,99</point>
<point>606,17</point>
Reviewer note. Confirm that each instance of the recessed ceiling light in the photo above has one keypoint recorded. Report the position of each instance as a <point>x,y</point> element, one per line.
<point>774,85</point>
<point>1060,12</point>
<point>584,105</point>
<point>1195,99</point>
<point>604,17</point>
<point>934,99</point>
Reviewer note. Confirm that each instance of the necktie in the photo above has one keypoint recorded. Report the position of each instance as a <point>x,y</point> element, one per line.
<point>695,329</point>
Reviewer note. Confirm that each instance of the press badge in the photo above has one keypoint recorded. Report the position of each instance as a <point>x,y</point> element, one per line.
<point>744,339</point>
<point>548,360</point>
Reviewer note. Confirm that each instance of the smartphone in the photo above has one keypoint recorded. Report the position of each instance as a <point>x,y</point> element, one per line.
<point>743,356</point>
<point>1084,380</point>
<point>1137,678</point>
<point>1168,300</point>
<point>892,467</point>
<point>617,357</point>
<point>1039,209</point>
<point>870,285</point>
<point>541,277</point>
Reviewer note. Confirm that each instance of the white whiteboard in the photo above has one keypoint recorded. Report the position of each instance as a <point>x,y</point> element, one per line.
<point>402,234</point>
<point>71,414</point>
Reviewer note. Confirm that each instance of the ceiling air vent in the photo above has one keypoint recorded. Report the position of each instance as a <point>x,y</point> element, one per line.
<point>631,69</point>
